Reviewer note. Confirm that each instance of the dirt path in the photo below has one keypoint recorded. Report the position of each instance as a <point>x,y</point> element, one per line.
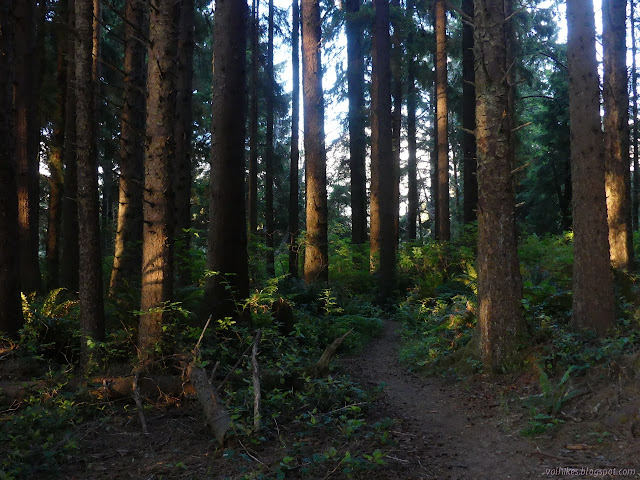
<point>445,432</point>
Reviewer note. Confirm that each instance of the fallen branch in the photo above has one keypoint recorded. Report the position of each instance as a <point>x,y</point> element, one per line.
<point>321,368</point>
<point>256,382</point>
<point>136,398</point>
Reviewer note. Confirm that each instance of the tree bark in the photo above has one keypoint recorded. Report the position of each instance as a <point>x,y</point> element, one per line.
<point>470,181</point>
<point>616,133</point>
<point>90,275</point>
<point>382,163</point>
<point>316,257</point>
<point>11,311</point>
<point>158,195</point>
<point>593,301</point>
<point>227,241</point>
<point>397,54</point>
<point>253,127</point>
<point>500,319</point>
<point>127,260</point>
<point>184,127</point>
<point>412,167</point>
<point>442,117</point>
<point>295,139</point>
<point>634,89</point>
<point>27,142</point>
<point>269,152</point>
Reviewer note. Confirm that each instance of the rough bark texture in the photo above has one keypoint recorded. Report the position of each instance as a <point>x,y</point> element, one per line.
<point>412,166</point>
<point>56,168</point>
<point>442,117</point>
<point>593,302</point>
<point>316,257</point>
<point>90,275</point>
<point>357,138</point>
<point>252,200</point>
<point>470,185</point>
<point>27,134</point>
<point>70,259</point>
<point>269,152</point>
<point>227,251</point>
<point>127,258</point>
<point>295,139</point>
<point>184,128</point>
<point>11,311</point>
<point>158,229</point>
<point>382,166</point>
<point>616,133</point>
<point>499,282</point>
<point>397,54</point>
<point>634,89</point>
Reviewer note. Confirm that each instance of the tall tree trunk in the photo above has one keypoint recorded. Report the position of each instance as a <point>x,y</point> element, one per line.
<point>357,138</point>
<point>412,167</point>
<point>184,127</point>
<point>295,153</point>
<point>316,257</point>
<point>70,258</point>
<point>91,301</point>
<point>500,319</point>
<point>127,259</point>
<point>253,127</point>
<point>227,239</point>
<point>158,197</point>
<point>616,133</point>
<point>11,311</point>
<point>56,169</point>
<point>397,54</point>
<point>470,182</point>
<point>382,163</point>
<point>27,142</point>
<point>269,151</point>
<point>593,302</point>
<point>442,117</point>
<point>433,170</point>
<point>634,89</point>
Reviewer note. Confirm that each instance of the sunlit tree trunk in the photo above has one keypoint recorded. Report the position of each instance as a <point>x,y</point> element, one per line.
<point>470,185</point>
<point>316,257</point>
<point>357,138</point>
<point>269,150</point>
<point>27,142</point>
<point>11,311</point>
<point>184,128</point>
<point>616,133</point>
<point>227,241</point>
<point>127,258</point>
<point>382,164</point>
<point>593,301</point>
<point>252,200</point>
<point>442,117</point>
<point>500,319</point>
<point>90,275</point>
<point>158,196</point>
<point>295,153</point>
<point>412,167</point>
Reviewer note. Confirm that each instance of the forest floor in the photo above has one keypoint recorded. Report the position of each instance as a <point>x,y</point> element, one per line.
<point>440,429</point>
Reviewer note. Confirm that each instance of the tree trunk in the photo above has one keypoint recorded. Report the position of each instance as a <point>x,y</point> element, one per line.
<point>634,89</point>
<point>253,127</point>
<point>70,259</point>
<point>442,117</point>
<point>158,197</point>
<point>316,257</point>
<point>500,319</point>
<point>412,167</point>
<point>269,152</point>
<point>593,301</point>
<point>127,260</point>
<point>357,138</point>
<point>90,275</point>
<point>433,170</point>
<point>382,164</point>
<point>616,133</point>
<point>184,128</point>
<point>56,169</point>
<point>227,253</point>
<point>27,142</point>
<point>295,153</point>
<point>11,311</point>
<point>396,115</point>
<point>470,182</point>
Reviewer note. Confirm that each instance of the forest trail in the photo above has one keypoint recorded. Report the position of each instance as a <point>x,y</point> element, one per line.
<point>447,430</point>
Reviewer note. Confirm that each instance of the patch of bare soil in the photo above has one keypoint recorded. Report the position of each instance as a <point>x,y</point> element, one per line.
<point>471,429</point>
